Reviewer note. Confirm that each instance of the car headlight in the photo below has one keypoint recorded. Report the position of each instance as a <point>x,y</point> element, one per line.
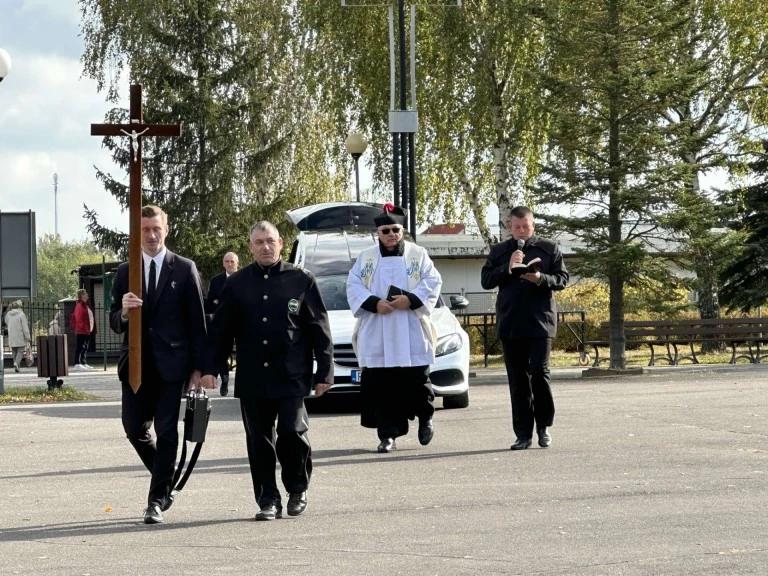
<point>448,344</point>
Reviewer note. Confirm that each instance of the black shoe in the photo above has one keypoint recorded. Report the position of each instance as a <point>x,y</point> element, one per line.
<point>297,503</point>
<point>270,511</point>
<point>426,432</point>
<point>545,438</point>
<point>153,515</point>
<point>224,385</point>
<point>521,444</point>
<point>386,445</point>
<point>169,500</point>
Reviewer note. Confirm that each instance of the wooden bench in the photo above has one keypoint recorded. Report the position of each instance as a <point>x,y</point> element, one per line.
<point>678,339</point>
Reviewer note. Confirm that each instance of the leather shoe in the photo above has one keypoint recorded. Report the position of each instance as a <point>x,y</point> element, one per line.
<point>521,444</point>
<point>297,503</point>
<point>386,445</point>
<point>426,432</point>
<point>270,511</point>
<point>153,515</point>
<point>545,438</point>
<point>224,390</point>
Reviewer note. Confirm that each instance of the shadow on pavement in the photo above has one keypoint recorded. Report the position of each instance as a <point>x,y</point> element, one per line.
<point>320,458</point>
<point>100,527</point>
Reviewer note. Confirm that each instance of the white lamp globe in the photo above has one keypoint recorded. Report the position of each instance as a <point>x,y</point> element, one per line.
<point>5,64</point>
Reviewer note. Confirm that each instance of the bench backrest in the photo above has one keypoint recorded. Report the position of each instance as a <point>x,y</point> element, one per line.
<point>688,327</point>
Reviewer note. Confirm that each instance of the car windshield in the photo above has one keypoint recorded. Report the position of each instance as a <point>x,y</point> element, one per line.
<point>334,292</point>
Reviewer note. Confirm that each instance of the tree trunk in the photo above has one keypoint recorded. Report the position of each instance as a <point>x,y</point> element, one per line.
<point>475,204</point>
<point>615,279</point>
<point>501,173</point>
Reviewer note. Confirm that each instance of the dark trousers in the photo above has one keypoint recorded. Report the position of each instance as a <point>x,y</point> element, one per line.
<point>159,402</point>
<point>81,348</point>
<point>288,444</point>
<point>527,361</point>
<point>396,395</point>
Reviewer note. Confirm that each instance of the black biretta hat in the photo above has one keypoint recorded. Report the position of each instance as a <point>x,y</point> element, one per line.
<point>391,214</point>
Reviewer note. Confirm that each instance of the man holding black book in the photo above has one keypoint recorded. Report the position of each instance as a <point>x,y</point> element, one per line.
<point>392,289</point>
<point>527,270</point>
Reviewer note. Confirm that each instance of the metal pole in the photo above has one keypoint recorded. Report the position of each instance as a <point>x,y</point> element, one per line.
<point>357,175</point>
<point>411,136</point>
<point>104,311</point>
<point>404,172</point>
<point>55,204</point>
<point>395,139</point>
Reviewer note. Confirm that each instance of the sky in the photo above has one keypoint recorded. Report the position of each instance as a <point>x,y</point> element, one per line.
<point>46,109</point>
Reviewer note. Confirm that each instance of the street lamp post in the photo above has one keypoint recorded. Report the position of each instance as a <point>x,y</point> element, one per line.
<point>5,69</point>
<point>356,145</point>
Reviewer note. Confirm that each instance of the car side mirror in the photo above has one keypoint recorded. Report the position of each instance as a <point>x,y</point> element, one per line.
<point>458,302</point>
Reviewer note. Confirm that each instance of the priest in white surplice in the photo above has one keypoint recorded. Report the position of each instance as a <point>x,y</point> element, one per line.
<point>394,338</point>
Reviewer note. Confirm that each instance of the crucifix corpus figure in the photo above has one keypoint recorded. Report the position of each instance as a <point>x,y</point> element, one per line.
<point>135,130</point>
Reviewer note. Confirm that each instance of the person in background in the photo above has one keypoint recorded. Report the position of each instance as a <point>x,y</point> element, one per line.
<point>18,332</point>
<point>84,324</point>
<point>527,322</point>
<point>54,326</point>
<point>215,288</point>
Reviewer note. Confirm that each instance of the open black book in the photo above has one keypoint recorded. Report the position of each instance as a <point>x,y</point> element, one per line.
<point>532,267</point>
<point>393,291</point>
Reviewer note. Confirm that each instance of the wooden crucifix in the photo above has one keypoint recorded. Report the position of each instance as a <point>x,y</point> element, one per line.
<point>135,130</point>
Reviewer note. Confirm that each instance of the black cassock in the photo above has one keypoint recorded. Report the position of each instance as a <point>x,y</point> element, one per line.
<point>392,396</point>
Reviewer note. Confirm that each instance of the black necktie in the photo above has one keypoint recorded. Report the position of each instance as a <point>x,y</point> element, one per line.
<point>151,283</point>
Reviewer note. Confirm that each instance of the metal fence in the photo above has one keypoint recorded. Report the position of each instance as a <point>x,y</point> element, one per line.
<point>480,316</point>
<point>41,314</point>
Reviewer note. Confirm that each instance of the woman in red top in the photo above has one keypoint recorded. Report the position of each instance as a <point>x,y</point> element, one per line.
<point>84,325</point>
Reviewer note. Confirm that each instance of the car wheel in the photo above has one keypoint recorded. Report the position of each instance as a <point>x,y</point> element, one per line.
<point>456,400</point>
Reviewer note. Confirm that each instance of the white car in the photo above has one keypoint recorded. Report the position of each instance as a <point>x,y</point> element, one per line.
<point>329,254</point>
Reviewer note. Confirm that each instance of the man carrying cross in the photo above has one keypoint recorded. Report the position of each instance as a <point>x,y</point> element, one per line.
<point>173,340</point>
<point>157,303</point>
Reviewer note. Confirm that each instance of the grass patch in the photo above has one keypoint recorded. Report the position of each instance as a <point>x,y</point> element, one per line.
<point>21,394</point>
<point>639,357</point>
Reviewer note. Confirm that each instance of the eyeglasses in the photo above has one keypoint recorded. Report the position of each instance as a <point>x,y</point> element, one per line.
<point>395,229</point>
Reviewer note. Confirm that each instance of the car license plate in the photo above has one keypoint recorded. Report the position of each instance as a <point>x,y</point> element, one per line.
<point>357,376</point>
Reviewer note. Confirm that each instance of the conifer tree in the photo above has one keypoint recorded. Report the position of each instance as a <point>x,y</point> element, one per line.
<point>610,169</point>
<point>253,144</point>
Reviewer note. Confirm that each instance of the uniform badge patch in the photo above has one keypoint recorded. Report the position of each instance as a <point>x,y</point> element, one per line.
<point>293,305</point>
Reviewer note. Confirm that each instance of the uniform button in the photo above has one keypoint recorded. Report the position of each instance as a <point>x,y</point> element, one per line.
<point>266,364</point>
<point>265,342</point>
<point>265,296</point>
<point>266,275</point>
<point>263,319</point>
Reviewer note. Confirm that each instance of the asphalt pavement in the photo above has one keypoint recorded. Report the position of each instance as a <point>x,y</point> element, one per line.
<point>662,473</point>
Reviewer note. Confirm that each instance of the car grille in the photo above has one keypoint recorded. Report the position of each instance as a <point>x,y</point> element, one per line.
<point>344,355</point>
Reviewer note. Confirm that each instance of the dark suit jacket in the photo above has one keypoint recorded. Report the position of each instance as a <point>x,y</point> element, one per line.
<point>524,309</point>
<point>175,329</point>
<point>215,289</point>
<point>278,320</point>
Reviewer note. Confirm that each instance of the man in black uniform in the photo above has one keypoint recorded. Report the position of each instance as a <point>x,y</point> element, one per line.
<point>526,318</point>
<point>215,288</point>
<point>276,316</point>
<point>172,348</point>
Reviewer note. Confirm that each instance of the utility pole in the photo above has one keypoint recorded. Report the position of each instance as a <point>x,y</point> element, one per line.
<point>55,204</point>
<point>403,122</point>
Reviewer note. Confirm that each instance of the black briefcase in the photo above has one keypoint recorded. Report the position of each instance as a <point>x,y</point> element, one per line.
<point>196,416</point>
